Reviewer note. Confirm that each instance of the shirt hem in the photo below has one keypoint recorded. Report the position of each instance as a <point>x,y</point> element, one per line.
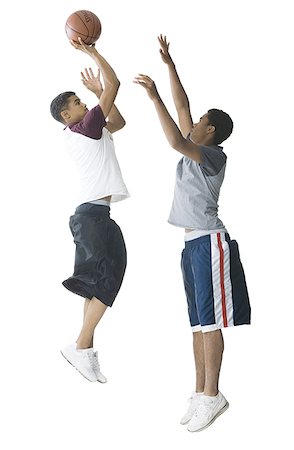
<point>117,197</point>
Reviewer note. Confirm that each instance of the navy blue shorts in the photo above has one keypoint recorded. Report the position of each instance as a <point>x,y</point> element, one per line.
<point>100,257</point>
<point>215,283</point>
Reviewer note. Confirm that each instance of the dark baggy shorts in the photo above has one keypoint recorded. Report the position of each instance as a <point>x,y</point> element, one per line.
<point>100,258</point>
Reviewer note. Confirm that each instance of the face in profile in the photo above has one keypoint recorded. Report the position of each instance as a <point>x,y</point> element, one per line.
<point>202,131</point>
<point>75,110</point>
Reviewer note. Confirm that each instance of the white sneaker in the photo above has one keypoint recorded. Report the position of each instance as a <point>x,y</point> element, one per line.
<point>99,376</point>
<point>82,360</point>
<point>194,402</point>
<point>208,410</point>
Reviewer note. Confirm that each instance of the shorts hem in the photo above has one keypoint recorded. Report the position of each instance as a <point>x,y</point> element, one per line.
<point>208,328</point>
<point>214,327</point>
<point>80,288</point>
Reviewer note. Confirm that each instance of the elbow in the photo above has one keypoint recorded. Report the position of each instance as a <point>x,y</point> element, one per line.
<point>121,124</point>
<point>113,85</point>
<point>176,142</point>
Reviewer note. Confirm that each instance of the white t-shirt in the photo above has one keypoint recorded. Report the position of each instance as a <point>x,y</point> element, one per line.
<point>91,146</point>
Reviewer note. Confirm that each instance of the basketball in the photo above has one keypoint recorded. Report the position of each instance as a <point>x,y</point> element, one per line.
<point>84,24</point>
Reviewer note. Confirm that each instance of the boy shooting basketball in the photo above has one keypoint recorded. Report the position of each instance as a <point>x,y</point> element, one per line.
<point>212,271</point>
<point>100,258</point>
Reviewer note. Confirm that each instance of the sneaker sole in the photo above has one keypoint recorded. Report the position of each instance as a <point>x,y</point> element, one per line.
<point>92,381</point>
<point>102,382</point>
<point>221,411</point>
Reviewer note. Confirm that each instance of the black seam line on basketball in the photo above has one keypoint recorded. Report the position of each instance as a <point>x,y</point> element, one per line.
<point>82,34</point>
<point>82,20</point>
<point>95,22</point>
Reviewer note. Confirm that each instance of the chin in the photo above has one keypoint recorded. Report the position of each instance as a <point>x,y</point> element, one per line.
<point>194,139</point>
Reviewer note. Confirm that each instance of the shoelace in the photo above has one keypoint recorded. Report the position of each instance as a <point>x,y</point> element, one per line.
<point>191,400</point>
<point>95,363</point>
<point>204,409</point>
<point>89,355</point>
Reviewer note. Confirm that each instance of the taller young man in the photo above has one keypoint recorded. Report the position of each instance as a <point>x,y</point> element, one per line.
<point>100,258</point>
<point>213,275</point>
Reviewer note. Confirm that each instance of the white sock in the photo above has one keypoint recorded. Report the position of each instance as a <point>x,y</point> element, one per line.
<point>211,397</point>
<point>83,349</point>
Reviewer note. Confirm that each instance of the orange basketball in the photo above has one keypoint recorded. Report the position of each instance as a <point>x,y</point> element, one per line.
<point>84,24</point>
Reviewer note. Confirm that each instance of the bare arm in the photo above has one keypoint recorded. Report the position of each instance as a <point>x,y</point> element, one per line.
<point>171,131</point>
<point>180,97</point>
<point>93,83</point>
<point>115,120</point>
<point>111,82</point>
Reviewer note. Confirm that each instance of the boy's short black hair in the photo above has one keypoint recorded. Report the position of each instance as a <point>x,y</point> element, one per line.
<point>223,124</point>
<point>60,104</point>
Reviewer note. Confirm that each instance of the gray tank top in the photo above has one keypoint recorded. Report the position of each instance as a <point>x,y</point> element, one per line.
<point>197,191</point>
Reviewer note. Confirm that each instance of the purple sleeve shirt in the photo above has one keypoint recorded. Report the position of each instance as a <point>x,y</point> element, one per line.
<point>91,125</point>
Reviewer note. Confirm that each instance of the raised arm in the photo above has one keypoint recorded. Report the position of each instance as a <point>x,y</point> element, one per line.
<point>171,131</point>
<point>179,95</point>
<point>111,82</point>
<point>115,120</point>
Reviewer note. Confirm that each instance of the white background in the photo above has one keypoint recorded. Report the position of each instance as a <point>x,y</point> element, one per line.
<point>233,55</point>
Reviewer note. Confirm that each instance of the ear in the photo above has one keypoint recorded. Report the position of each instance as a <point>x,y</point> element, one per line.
<point>65,115</point>
<point>210,129</point>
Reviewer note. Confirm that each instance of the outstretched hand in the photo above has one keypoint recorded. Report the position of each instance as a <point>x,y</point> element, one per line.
<point>147,83</point>
<point>92,82</point>
<point>164,47</point>
<point>89,49</point>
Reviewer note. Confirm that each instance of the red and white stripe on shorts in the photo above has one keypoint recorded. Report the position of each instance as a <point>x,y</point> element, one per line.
<point>221,281</point>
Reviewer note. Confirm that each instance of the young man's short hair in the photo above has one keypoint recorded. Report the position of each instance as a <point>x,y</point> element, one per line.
<point>59,104</point>
<point>223,124</point>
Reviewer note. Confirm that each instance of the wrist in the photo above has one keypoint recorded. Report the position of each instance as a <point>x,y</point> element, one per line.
<point>94,55</point>
<point>156,98</point>
<point>98,92</point>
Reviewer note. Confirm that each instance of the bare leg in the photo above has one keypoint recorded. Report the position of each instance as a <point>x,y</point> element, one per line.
<point>94,310</point>
<point>86,304</point>
<point>199,360</point>
<point>213,352</point>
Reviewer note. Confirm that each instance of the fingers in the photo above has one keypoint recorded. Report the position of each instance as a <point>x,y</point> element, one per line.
<point>81,43</point>
<point>163,42</point>
<point>74,44</point>
<point>160,40</point>
<point>78,45</point>
<point>138,80</point>
<point>144,81</point>
<point>144,78</point>
<point>89,74</point>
